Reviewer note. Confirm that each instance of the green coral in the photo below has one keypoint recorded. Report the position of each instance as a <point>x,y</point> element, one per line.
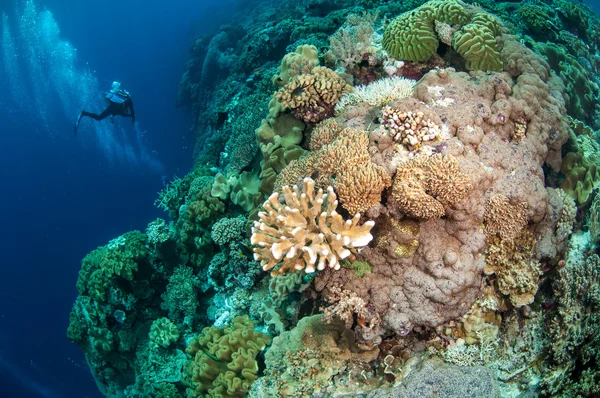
<point>581,91</point>
<point>360,268</point>
<point>224,361</point>
<point>119,258</point>
<point>245,191</point>
<point>180,298</point>
<point>412,35</point>
<point>228,230</point>
<point>580,168</point>
<point>163,333</point>
<point>102,339</point>
<point>296,63</point>
<point>476,43</point>
<point>575,328</point>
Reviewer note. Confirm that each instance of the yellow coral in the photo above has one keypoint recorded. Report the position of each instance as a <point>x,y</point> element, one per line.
<point>424,185</point>
<point>503,218</point>
<point>342,159</point>
<point>517,272</point>
<point>306,232</point>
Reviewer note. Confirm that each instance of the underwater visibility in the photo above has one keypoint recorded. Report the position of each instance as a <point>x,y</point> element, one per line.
<point>384,199</point>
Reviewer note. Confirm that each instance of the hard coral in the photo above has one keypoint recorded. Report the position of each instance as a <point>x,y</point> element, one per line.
<point>503,218</point>
<point>423,186</point>
<point>411,129</point>
<point>313,96</point>
<point>306,231</point>
<point>516,269</point>
<point>340,158</point>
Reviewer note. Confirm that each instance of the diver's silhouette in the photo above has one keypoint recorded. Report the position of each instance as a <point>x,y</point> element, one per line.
<point>119,104</point>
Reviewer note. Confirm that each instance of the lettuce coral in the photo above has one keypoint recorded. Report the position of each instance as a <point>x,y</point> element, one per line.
<point>163,333</point>
<point>224,361</point>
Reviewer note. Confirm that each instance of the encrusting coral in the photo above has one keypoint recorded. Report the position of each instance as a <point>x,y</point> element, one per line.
<point>503,218</point>
<point>306,233</point>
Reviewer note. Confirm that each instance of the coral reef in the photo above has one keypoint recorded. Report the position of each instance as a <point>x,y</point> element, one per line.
<point>419,180</point>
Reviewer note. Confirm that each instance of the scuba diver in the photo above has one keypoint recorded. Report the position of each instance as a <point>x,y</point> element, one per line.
<point>119,104</point>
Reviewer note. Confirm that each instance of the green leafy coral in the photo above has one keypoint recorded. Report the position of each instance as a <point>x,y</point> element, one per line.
<point>224,360</point>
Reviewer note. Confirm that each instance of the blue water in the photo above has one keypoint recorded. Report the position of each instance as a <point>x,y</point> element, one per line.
<point>64,195</point>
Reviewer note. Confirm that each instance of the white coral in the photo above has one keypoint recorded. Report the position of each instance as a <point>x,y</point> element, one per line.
<point>306,232</point>
<point>378,93</point>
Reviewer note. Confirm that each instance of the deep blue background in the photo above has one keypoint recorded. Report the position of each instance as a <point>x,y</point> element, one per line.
<point>60,200</point>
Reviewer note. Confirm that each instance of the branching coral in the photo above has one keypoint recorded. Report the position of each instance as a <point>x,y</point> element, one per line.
<point>313,96</point>
<point>424,185</point>
<point>349,44</point>
<point>307,232</point>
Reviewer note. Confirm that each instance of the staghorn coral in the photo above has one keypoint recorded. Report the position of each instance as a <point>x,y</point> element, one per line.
<point>313,96</point>
<point>307,232</point>
<point>425,185</point>
<point>503,218</point>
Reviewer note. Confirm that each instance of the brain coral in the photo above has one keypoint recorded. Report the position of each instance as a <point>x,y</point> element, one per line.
<point>415,35</point>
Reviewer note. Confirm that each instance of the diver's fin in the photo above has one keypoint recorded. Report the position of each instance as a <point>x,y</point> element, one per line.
<point>77,122</point>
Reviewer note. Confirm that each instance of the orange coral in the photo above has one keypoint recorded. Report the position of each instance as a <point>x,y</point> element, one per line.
<point>343,160</point>
<point>313,96</point>
<point>503,218</point>
<point>424,185</point>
